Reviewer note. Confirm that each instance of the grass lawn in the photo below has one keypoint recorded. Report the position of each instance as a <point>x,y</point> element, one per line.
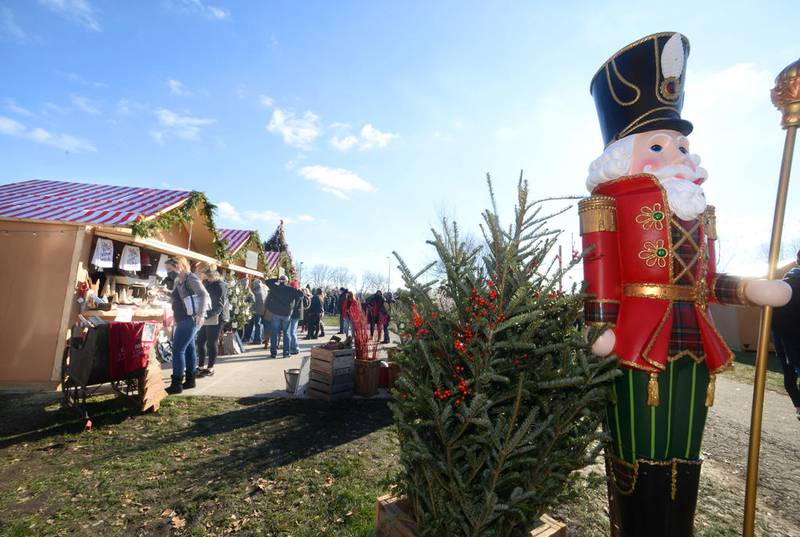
<point>217,466</point>
<point>200,466</point>
<point>744,371</point>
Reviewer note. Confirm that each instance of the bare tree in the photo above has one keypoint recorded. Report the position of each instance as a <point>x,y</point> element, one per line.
<point>340,277</point>
<point>371,282</point>
<point>320,275</point>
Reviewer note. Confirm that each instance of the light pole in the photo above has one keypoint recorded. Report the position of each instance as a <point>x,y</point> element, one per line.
<point>389,280</point>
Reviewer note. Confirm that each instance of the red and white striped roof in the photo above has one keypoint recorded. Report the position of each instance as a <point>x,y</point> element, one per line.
<point>272,259</point>
<point>62,201</point>
<point>234,238</point>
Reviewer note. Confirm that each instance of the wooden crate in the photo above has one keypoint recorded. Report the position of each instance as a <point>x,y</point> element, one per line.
<point>331,374</point>
<point>394,520</point>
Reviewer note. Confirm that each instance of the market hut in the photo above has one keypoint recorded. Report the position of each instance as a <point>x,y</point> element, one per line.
<point>56,235</point>
<point>244,251</point>
<point>278,256</point>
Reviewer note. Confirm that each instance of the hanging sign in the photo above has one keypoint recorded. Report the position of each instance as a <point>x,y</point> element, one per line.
<point>251,259</point>
<point>130,259</point>
<point>103,256</point>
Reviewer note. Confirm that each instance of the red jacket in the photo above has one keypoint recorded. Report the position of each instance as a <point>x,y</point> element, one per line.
<point>635,272</point>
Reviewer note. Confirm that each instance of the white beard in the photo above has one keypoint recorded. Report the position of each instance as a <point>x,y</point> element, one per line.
<point>685,198</point>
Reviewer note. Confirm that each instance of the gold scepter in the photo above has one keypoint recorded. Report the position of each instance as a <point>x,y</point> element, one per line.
<point>786,97</point>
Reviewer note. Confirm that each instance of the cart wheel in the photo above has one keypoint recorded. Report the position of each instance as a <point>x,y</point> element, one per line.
<point>65,380</point>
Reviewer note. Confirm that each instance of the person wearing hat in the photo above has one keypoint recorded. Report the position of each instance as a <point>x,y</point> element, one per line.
<point>650,271</point>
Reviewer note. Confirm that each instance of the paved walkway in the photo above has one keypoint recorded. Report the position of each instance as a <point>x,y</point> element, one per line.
<point>255,374</point>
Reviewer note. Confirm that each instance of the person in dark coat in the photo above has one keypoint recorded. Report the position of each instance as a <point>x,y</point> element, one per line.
<point>281,302</point>
<point>341,304</point>
<point>208,336</point>
<point>786,336</point>
<point>314,315</point>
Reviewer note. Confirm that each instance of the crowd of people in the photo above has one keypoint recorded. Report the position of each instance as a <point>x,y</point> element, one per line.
<point>278,310</point>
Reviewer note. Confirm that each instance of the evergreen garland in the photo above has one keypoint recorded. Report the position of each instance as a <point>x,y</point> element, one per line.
<point>182,215</point>
<point>499,399</point>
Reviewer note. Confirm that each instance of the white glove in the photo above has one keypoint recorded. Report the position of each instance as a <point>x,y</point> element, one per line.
<point>604,344</point>
<point>763,292</point>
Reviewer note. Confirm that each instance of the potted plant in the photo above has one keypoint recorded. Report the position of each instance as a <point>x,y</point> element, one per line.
<point>366,365</point>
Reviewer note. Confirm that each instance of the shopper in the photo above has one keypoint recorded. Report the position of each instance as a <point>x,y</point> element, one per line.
<point>340,303</point>
<point>298,311</point>
<point>281,304</point>
<point>315,312</point>
<point>348,303</point>
<point>208,336</point>
<point>190,301</point>
<point>258,309</point>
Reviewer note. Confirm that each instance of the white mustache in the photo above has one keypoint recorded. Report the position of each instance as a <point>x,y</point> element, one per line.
<point>678,169</point>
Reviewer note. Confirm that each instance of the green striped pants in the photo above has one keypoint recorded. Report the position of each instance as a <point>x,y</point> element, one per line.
<point>671,430</point>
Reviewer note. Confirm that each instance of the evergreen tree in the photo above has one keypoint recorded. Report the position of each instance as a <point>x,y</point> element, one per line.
<point>499,399</point>
<point>277,243</point>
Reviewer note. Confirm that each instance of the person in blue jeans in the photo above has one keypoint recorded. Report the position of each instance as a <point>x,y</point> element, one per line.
<point>187,289</point>
<point>298,310</point>
<point>282,298</point>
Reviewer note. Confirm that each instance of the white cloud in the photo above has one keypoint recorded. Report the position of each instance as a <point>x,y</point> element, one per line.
<point>12,106</point>
<point>85,104</point>
<point>79,11</point>
<point>75,77</point>
<point>266,101</point>
<point>126,107</point>
<point>370,138</point>
<point>52,107</point>
<point>306,218</point>
<point>296,131</point>
<point>337,181</point>
<point>268,216</point>
<point>226,210</point>
<point>9,29</point>
<point>183,127</point>
<point>343,144</point>
<point>197,7</point>
<point>65,142</point>
<point>176,87</point>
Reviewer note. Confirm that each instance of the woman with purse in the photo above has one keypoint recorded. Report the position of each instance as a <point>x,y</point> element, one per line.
<point>208,336</point>
<point>190,301</point>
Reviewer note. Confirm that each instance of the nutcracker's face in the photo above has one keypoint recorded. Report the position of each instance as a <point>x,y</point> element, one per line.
<point>655,151</point>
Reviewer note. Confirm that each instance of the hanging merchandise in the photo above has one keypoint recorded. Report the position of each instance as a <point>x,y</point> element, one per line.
<point>161,270</point>
<point>103,256</point>
<point>130,259</point>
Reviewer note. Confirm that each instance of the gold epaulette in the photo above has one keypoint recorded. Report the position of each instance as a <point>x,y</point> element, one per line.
<point>597,213</point>
<point>711,223</point>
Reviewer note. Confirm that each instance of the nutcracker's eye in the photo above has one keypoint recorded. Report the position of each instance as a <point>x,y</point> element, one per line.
<point>656,148</point>
<point>684,150</point>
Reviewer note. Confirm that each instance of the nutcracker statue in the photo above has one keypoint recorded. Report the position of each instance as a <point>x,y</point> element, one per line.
<point>650,273</point>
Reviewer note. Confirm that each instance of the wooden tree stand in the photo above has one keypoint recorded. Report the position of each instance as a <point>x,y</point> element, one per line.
<point>366,377</point>
<point>394,520</point>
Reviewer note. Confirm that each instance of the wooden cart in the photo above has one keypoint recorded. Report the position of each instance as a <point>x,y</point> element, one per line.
<point>85,368</point>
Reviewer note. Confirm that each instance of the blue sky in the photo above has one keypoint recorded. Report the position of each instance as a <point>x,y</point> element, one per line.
<point>360,122</point>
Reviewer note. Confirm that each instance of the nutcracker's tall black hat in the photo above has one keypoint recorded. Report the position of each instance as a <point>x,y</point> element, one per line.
<point>640,88</point>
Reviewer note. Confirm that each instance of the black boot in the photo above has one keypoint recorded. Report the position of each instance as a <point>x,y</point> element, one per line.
<point>189,381</point>
<point>653,498</point>
<point>175,387</point>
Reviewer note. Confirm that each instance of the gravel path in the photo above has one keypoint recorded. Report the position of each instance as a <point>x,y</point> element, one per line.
<point>725,447</point>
